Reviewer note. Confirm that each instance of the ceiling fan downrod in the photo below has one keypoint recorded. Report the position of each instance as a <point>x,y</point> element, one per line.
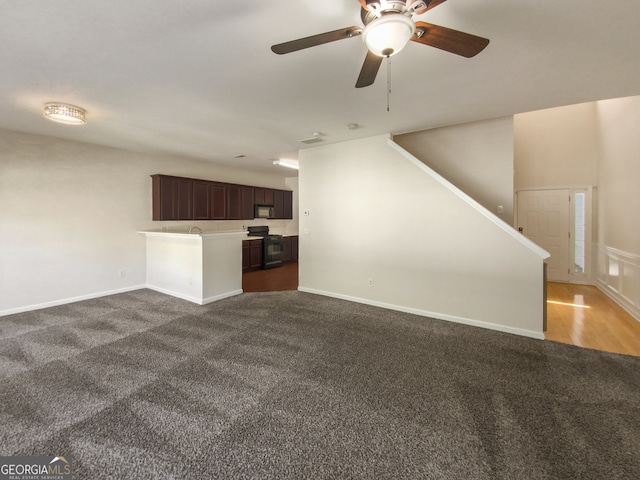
<point>377,8</point>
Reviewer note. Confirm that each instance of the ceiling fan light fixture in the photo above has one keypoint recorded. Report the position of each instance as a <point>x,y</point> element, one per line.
<point>64,113</point>
<point>387,35</point>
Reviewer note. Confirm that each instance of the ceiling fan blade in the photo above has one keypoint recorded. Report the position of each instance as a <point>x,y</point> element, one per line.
<point>450,40</point>
<point>369,70</point>
<point>432,4</point>
<point>313,40</point>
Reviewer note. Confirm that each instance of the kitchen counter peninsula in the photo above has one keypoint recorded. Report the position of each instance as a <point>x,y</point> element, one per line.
<point>198,267</point>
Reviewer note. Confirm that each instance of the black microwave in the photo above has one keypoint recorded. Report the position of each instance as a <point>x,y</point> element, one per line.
<point>263,211</point>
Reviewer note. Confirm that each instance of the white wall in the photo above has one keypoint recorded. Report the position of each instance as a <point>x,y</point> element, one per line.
<point>69,213</point>
<point>374,213</point>
<point>557,147</point>
<point>476,157</point>
<point>619,173</point>
<point>618,254</point>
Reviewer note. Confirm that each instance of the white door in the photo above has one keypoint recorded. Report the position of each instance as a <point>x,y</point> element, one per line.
<point>543,217</point>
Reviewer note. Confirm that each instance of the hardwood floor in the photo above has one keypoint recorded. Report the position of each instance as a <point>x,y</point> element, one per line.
<point>582,315</point>
<point>272,280</point>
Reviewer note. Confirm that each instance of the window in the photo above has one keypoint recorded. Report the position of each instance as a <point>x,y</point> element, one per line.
<point>579,230</point>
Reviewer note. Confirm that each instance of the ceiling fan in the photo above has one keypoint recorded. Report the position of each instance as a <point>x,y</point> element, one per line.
<point>388,26</point>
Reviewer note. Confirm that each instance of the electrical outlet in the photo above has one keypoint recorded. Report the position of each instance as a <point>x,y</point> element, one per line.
<point>370,281</point>
<point>123,273</point>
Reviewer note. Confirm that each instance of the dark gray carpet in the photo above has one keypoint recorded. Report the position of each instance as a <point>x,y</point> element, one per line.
<point>293,385</point>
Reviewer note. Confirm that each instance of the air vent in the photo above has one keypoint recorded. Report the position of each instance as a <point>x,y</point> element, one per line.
<point>311,140</point>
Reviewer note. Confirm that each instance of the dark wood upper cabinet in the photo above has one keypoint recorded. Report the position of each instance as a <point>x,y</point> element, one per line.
<point>247,201</point>
<point>278,203</point>
<point>201,200</point>
<point>185,199</point>
<point>164,190</point>
<point>218,201</point>
<point>234,202</point>
<point>172,198</point>
<point>179,198</point>
<point>263,196</point>
<point>288,204</point>
<point>259,195</point>
<point>268,196</point>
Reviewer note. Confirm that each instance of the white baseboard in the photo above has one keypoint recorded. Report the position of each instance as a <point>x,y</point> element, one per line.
<point>64,301</point>
<point>629,307</point>
<point>222,296</point>
<point>424,313</point>
<point>196,300</point>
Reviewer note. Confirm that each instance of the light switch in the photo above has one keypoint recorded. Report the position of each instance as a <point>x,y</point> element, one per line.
<point>500,209</point>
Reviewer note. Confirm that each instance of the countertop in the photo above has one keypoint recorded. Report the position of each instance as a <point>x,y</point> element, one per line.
<point>218,233</point>
<point>270,233</point>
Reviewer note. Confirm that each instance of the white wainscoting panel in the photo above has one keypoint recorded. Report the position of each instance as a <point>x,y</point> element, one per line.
<point>618,275</point>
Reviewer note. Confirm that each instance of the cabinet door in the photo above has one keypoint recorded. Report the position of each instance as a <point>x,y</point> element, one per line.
<point>201,200</point>
<point>164,192</point>
<point>286,249</point>
<point>234,202</point>
<point>288,204</point>
<point>278,203</point>
<point>246,255</point>
<point>268,196</point>
<point>259,195</point>
<point>184,199</point>
<point>294,248</point>
<point>247,203</point>
<point>218,201</point>
<point>255,253</point>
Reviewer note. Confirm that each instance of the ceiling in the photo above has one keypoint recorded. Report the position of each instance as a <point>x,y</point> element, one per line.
<point>197,78</point>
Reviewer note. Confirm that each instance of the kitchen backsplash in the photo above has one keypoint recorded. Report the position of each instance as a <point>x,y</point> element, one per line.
<point>275,226</point>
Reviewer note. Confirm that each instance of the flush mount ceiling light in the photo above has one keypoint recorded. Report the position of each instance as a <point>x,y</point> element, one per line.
<point>64,113</point>
<point>388,34</point>
<point>287,163</point>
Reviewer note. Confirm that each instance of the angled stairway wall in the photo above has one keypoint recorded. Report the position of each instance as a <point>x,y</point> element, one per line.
<point>476,157</point>
<point>378,226</point>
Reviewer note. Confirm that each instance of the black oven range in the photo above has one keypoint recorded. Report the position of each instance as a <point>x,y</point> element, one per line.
<point>272,246</point>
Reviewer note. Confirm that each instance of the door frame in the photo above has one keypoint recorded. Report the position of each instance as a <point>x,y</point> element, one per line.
<point>588,275</point>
